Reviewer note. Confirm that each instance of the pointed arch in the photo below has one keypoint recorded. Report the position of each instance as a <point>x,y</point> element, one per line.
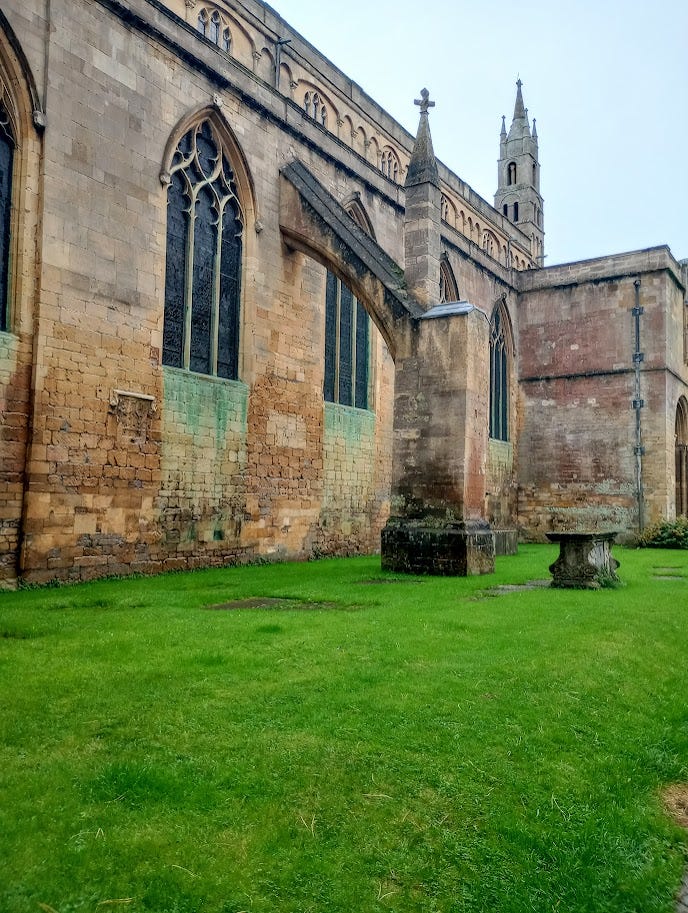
<point>681,453</point>
<point>501,359</point>
<point>13,61</point>
<point>231,147</point>
<point>374,153</point>
<point>287,83</point>
<point>390,164</point>
<point>214,26</point>
<point>490,244</point>
<point>448,211</point>
<point>317,104</point>
<point>8,145</point>
<point>361,140</point>
<point>21,124</point>
<point>207,182</point>
<point>348,350</point>
<point>355,208</point>
<point>347,132</point>
<point>449,290</point>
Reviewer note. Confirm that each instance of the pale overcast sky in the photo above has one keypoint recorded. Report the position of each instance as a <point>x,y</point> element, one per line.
<point>607,81</point>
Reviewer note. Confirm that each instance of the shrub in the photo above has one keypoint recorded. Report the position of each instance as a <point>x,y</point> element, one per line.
<point>666,534</point>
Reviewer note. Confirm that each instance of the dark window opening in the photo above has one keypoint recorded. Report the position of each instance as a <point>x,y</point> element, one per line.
<point>499,378</point>
<point>515,212</point>
<point>512,173</point>
<point>7,144</point>
<point>681,430</point>
<point>505,209</point>
<point>203,268</point>
<point>347,346</point>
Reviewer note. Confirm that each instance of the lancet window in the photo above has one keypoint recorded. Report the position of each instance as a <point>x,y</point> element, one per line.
<point>448,287</point>
<point>389,164</point>
<point>205,227</point>
<point>347,346</point>
<point>7,147</point>
<point>499,375</point>
<point>315,107</point>
<point>214,27</point>
<point>682,458</point>
<point>511,173</point>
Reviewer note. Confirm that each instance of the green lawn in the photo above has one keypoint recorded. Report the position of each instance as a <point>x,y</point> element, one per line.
<point>369,743</point>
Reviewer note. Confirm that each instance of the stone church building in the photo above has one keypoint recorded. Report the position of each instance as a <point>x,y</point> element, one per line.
<point>245,315</point>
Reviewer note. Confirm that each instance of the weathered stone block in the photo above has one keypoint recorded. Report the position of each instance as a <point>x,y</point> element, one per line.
<point>453,550</point>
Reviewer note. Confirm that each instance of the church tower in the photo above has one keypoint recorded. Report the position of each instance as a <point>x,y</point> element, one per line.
<point>518,183</point>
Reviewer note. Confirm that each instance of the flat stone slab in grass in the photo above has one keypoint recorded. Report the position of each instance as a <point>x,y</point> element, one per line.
<point>505,588</point>
<point>373,580</point>
<point>283,604</point>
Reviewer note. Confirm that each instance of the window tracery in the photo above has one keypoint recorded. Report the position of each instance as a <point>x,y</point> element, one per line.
<point>204,252</point>
<point>499,374</point>
<point>489,243</point>
<point>347,338</point>
<point>389,164</point>
<point>213,26</point>
<point>7,147</point>
<point>315,108</point>
<point>448,288</point>
<point>681,437</point>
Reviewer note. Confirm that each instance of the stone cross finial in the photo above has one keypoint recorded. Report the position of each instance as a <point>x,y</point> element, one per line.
<point>424,101</point>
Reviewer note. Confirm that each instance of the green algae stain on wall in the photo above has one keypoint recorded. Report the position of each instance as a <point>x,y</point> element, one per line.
<point>348,459</point>
<point>354,426</point>
<point>204,407</point>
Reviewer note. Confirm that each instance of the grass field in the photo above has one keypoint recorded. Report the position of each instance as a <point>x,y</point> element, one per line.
<point>362,743</point>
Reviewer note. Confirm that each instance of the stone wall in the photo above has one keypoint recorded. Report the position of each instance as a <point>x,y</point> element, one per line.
<point>577,383</point>
<point>136,466</point>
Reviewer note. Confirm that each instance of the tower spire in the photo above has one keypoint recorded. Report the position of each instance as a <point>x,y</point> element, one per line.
<point>519,110</point>
<point>518,187</point>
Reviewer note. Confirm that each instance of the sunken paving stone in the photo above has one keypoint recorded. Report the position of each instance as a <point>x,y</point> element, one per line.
<point>280,604</point>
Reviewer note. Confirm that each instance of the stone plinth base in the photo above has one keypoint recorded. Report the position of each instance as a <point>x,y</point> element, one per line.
<point>449,549</point>
<point>585,560</point>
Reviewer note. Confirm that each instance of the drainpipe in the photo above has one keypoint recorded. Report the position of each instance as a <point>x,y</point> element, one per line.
<point>638,403</point>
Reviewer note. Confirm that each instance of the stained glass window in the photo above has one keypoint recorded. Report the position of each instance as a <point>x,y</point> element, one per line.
<point>499,376</point>
<point>203,272</point>
<point>6,162</point>
<point>347,343</point>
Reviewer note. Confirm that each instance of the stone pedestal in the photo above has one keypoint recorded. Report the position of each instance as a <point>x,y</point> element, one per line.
<point>441,394</point>
<point>441,549</point>
<point>585,560</point>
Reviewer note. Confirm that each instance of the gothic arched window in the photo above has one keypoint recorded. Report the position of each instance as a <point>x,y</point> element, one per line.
<point>499,374</point>
<point>681,449</point>
<point>7,146</point>
<point>214,27</point>
<point>448,287</point>
<point>389,165</point>
<point>315,107</point>
<point>204,248</point>
<point>347,338</point>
